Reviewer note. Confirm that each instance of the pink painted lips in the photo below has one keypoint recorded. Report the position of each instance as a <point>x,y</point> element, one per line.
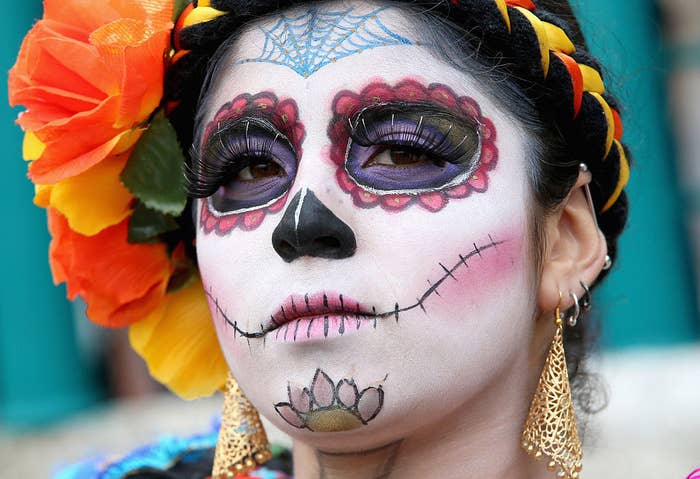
<point>318,316</point>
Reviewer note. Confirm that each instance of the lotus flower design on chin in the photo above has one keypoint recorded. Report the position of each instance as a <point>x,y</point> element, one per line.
<point>327,406</point>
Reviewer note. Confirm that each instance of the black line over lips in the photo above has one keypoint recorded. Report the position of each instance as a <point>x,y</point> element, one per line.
<point>424,135</point>
<point>395,313</point>
<point>260,140</point>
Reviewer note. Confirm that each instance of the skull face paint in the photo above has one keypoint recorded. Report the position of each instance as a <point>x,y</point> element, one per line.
<point>443,291</point>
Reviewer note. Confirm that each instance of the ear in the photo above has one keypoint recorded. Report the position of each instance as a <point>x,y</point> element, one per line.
<point>575,248</point>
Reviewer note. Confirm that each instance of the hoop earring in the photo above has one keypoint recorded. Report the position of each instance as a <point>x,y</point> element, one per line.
<point>573,318</point>
<point>586,299</point>
<point>550,428</point>
<point>242,444</point>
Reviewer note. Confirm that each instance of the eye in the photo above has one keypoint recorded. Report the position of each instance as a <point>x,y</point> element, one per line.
<point>259,169</point>
<point>401,157</point>
<point>411,149</point>
<point>246,165</point>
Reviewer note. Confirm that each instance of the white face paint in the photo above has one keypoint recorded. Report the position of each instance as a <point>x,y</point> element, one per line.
<point>442,278</point>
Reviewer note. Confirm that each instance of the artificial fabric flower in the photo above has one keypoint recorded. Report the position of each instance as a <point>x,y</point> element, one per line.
<point>89,74</point>
<point>91,201</point>
<point>120,282</point>
<point>178,342</point>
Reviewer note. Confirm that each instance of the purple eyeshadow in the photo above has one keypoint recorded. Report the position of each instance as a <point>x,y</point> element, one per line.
<point>239,146</point>
<point>448,144</point>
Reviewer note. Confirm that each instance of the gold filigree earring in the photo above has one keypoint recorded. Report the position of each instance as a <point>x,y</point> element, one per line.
<point>550,429</point>
<point>242,444</point>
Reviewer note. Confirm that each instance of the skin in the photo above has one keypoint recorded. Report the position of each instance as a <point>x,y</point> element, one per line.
<point>456,373</point>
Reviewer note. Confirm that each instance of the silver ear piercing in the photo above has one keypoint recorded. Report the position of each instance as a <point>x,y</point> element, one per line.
<point>586,299</point>
<point>608,263</point>
<point>573,318</point>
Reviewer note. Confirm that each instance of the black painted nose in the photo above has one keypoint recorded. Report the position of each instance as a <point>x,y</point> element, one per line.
<point>309,228</point>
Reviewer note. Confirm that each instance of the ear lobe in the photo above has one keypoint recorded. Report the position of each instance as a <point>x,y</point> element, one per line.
<point>576,249</point>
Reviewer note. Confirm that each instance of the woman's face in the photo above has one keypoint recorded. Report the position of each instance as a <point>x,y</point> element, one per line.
<point>366,251</point>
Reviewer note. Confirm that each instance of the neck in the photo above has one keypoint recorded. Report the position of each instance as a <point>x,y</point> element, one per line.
<point>481,439</point>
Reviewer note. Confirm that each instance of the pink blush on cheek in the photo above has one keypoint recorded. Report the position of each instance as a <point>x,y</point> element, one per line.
<point>486,272</point>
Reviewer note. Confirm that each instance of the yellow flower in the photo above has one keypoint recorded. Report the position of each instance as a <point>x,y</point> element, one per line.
<point>179,344</point>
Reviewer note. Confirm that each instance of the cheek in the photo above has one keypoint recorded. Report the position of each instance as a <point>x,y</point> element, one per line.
<point>479,277</point>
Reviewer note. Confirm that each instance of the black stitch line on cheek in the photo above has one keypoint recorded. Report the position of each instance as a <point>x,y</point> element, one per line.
<point>435,291</point>
<point>449,273</point>
<point>395,312</point>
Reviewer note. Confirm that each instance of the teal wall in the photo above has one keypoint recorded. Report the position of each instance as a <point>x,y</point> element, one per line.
<point>648,300</point>
<point>650,297</point>
<point>42,375</point>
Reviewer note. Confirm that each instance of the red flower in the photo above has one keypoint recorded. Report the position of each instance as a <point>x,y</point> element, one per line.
<point>120,282</point>
<point>89,74</point>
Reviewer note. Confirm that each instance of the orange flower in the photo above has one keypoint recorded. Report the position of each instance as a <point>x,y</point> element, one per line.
<point>89,73</point>
<point>121,282</point>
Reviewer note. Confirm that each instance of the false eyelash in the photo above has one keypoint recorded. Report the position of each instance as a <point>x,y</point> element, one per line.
<point>431,133</point>
<point>227,151</point>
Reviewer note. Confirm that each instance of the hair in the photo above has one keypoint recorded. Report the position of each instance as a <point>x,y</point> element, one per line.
<point>471,36</point>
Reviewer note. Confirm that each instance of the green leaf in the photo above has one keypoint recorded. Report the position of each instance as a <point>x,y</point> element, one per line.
<point>153,173</point>
<point>146,225</point>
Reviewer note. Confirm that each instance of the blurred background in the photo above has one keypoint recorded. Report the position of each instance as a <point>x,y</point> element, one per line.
<point>69,389</point>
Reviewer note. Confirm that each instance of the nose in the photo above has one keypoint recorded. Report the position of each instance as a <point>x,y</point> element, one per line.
<point>309,228</point>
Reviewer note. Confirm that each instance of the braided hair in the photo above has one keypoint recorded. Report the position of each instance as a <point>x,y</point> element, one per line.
<point>538,52</point>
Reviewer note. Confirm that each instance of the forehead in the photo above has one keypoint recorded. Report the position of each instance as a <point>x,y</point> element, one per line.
<point>311,52</point>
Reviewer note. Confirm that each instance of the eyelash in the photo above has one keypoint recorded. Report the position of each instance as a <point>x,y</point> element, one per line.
<point>224,155</point>
<point>414,135</point>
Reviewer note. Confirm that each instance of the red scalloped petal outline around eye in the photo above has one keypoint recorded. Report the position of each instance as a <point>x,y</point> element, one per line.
<point>284,114</point>
<point>346,103</point>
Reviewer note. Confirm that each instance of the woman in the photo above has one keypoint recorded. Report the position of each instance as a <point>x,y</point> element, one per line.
<point>397,208</point>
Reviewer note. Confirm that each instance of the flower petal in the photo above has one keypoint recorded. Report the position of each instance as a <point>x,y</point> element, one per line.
<point>322,389</point>
<point>489,152</point>
<point>370,403</point>
<point>300,399</point>
<point>347,393</point>
<point>227,223</point>
<point>345,103</point>
<point>95,199</point>
<point>253,219</point>
<point>179,344</point>
<point>410,90</point>
<point>459,191</point>
<point>364,199</point>
<point>433,201</point>
<point>120,282</point>
<point>287,413</point>
<point>478,181</point>
<point>396,202</point>
<point>32,147</point>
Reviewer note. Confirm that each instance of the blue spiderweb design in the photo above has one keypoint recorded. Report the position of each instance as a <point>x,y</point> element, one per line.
<point>314,39</point>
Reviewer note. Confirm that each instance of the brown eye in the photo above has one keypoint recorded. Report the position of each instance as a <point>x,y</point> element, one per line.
<point>258,170</point>
<point>401,157</point>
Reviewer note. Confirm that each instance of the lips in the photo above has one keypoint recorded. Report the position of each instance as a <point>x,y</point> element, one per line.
<point>326,303</point>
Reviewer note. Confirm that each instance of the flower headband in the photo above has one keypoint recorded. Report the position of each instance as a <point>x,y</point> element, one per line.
<point>107,164</point>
